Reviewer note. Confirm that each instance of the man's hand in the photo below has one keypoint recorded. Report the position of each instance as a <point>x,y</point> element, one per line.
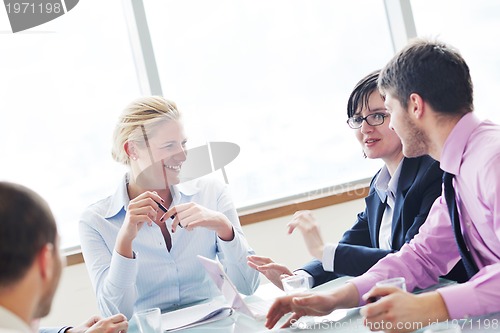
<point>400,311</point>
<point>300,305</point>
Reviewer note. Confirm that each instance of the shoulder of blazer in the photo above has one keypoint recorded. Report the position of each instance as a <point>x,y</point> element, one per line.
<point>418,167</point>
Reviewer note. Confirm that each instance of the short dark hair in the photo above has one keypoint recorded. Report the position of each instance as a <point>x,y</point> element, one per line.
<point>26,225</point>
<point>361,93</point>
<point>435,71</point>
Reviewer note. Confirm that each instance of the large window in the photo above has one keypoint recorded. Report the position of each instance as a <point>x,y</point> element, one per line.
<point>62,87</point>
<point>474,28</point>
<point>274,78</point>
<point>271,76</point>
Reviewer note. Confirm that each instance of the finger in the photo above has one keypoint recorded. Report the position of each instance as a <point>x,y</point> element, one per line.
<point>292,319</point>
<point>139,220</point>
<point>276,311</point>
<point>283,276</point>
<point>162,218</point>
<point>378,292</point>
<point>291,227</point>
<point>118,318</point>
<point>175,222</point>
<point>171,211</point>
<point>375,321</point>
<point>259,260</point>
<point>374,310</point>
<point>252,265</point>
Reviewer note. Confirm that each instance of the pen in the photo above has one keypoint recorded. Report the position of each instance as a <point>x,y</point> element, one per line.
<point>165,210</point>
<point>161,207</point>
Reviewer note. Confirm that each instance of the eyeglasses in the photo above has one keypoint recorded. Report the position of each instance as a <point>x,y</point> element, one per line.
<point>374,119</point>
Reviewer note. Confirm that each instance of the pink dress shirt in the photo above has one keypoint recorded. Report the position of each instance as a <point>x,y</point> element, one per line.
<point>472,153</point>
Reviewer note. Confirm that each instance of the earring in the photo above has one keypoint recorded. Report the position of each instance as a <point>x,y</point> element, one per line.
<point>134,158</point>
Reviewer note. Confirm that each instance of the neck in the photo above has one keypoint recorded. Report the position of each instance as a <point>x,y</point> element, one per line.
<point>22,298</point>
<point>135,190</point>
<point>439,129</point>
<point>392,162</point>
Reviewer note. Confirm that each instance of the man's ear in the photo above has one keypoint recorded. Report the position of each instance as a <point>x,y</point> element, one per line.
<point>416,106</point>
<point>46,261</point>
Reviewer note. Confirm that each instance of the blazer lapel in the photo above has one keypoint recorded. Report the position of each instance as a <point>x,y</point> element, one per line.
<point>376,209</point>
<point>409,171</point>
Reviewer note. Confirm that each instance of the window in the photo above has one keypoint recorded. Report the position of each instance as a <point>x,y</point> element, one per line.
<point>474,28</point>
<point>273,77</point>
<point>63,86</point>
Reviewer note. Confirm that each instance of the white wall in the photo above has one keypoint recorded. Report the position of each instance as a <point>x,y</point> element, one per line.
<point>75,301</point>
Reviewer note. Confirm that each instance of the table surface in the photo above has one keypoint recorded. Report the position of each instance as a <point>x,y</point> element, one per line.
<point>238,323</point>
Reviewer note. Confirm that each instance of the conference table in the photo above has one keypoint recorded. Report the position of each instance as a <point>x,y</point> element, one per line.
<point>239,323</point>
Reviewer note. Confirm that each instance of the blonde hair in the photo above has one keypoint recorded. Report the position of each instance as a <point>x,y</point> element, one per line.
<point>142,112</point>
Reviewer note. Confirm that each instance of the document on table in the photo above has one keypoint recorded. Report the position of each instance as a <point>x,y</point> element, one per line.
<point>194,315</point>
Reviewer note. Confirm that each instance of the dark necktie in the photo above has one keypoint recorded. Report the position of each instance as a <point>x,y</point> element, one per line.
<point>449,194</point>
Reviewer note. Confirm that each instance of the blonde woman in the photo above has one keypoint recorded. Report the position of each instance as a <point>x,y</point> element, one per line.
<point>137,255</point>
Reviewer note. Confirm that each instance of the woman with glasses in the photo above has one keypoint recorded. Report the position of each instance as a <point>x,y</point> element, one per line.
<point>400,197</point>
<point>141,244</point>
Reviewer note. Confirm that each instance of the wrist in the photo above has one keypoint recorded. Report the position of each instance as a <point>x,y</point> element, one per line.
<point>433,301</point>
<point>225,230</point>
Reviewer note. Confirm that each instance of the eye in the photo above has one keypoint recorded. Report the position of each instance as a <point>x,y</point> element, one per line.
<point>378,116</point>
<point>357,120</point>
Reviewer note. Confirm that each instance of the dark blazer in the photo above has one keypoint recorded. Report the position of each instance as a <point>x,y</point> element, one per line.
<point>418,187</point>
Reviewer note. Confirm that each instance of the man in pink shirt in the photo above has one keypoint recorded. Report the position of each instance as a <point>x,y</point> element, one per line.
<point>428,93</point>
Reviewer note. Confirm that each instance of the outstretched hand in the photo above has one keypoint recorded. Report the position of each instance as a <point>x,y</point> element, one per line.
<point>274,272</point>
<point>114,324</point>
<point>300,305</point>
<point>306,223</point>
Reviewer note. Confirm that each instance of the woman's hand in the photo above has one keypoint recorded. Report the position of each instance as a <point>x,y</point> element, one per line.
<point>306,223</point>
<point>191,215</point>
<point>272,271</point>
<point>114,324</point>
<point>142,209</point>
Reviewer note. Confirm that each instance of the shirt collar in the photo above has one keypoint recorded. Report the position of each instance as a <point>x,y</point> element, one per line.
<point>120,199</point>
<point>454,146</point>
<point>385,183</point>
<point>10,321</point>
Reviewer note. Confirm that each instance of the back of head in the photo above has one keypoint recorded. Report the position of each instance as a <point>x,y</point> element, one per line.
<point>26,225</point>
<point>142,112</point>
<point>361,93</point>
<point>435,71</point>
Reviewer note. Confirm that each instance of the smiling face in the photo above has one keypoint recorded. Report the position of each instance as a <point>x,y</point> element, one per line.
<point>415,142</point>
<point>158,159</point>
<point>378,141</point>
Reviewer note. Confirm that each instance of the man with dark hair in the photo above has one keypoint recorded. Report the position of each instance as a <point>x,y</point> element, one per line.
<point>428,92</point>
<point>31,264</point>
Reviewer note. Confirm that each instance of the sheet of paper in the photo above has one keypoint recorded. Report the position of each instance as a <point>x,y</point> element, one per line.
<point>195,315</point>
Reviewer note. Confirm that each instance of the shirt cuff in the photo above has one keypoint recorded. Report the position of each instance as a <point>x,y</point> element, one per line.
<point>304,273</point>
<point>64,329</point>
<point>454,296</point>
<point>329,256</point>
<point>235,250</point>
<point>123,270</point>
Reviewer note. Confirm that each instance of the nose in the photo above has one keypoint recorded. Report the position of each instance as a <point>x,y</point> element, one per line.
<point>365,127</point>
<point>390,124</point>
<point>181,155</point>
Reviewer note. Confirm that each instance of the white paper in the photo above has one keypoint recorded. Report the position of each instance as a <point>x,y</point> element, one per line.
<point>194,315</point>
